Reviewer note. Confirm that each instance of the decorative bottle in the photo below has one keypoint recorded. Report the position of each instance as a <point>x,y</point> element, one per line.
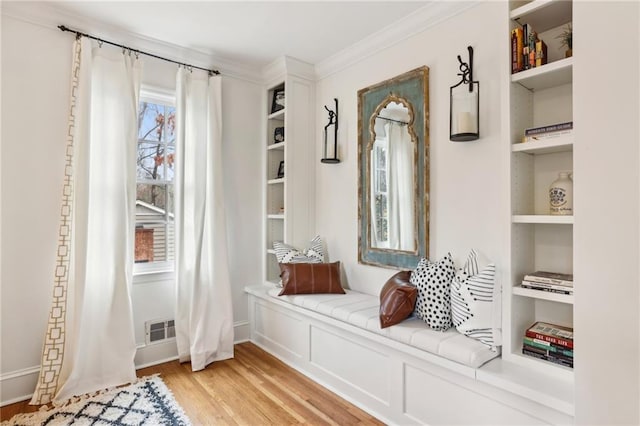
<point>561,195</point>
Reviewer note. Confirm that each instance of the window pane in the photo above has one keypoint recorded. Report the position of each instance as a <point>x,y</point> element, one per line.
<point>382,181</point>
<point>151,199</point>
<point>150,122</point>
<point>170,124</point>
<point>150,161</point>
<point>169,164</point>
<point>154,236</point>
<point>154,242</point>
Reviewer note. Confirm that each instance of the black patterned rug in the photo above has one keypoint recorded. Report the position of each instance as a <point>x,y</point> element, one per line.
<point>146,402</point>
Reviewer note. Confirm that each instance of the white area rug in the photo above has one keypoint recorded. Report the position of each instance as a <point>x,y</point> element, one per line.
<point>146,402</point>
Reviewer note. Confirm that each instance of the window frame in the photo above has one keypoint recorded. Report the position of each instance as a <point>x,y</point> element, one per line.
<point>162,269</point>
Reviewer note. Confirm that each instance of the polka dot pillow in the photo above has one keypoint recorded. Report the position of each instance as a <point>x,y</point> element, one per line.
<point>433,281</point>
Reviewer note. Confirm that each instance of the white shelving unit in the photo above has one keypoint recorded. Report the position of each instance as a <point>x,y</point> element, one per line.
<point>288,214</point>
<point>539,241</point>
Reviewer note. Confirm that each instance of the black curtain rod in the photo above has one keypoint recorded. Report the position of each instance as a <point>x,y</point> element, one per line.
<point>99,40</point>
<point>391,119</point>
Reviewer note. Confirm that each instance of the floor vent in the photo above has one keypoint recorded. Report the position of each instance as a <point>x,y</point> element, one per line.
<point>159,330</point>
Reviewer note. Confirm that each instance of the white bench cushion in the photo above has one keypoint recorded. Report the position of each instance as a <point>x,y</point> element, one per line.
<point>362,310</point>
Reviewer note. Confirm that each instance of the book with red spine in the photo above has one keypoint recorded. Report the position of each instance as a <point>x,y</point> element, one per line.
<point>556,334</point>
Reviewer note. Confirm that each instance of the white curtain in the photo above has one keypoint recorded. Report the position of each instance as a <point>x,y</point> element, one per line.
<point>90,343</point>
<point>401,188</point>
<point>204,318</point>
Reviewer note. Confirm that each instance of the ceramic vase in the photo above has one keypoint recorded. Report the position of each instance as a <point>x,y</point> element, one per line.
<point>561,195</point>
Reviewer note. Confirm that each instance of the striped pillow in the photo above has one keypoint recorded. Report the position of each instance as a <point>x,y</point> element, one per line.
<point>289,254</point>
<point>475,302</point>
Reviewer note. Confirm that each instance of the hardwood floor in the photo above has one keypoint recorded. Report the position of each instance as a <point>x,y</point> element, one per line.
<point>254,388</point>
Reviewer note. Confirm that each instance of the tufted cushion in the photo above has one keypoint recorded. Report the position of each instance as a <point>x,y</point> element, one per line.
<point>475,302</point>
<point>397,299</point>
<point>363,311</point>
<point>433,280</point>
<point>310,278</point>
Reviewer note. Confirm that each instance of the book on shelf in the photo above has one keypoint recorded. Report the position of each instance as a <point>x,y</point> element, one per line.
<point>547,277</point>
<point>548,136</point>
<point>566,291</point>
<point>541,53</point>
<point>553,359</point>
<point>517,40</point>
<point>552,333</point>
<point>546,346</point>
<point>548,353</point>
<point>549,128</point>
<point>564,287</point>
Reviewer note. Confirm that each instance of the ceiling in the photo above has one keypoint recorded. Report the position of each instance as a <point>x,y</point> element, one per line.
<point>250,33</point>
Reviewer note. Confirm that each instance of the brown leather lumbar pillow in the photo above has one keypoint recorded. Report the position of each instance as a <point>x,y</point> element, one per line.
<point>310,278</point>
<point>397,299</point>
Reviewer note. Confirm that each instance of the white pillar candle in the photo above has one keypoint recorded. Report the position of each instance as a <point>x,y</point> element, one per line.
<point>465,123</point>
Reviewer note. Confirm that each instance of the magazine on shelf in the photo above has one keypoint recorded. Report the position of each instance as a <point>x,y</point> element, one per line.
<point>549,290</point>
<point>550,278</point>
<point>537,284</point>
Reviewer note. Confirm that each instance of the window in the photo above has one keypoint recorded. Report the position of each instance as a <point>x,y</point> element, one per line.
<point>154,234</point>
<point>380,192</point>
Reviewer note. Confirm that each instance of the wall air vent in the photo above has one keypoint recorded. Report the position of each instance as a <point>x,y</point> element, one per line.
<point>159,330</point>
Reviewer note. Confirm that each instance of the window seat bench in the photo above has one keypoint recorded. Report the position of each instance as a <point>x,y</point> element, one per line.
<point>362,310</point>
<point>403,374</point>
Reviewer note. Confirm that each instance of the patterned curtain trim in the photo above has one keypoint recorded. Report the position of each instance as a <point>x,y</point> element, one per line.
<point>54,341</point>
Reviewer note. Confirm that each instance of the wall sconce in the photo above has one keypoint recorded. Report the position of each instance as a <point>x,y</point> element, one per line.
<point>464,112</point>
<point>330,150</point>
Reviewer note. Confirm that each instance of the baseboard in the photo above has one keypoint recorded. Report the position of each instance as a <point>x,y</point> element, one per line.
<point>18,385</point>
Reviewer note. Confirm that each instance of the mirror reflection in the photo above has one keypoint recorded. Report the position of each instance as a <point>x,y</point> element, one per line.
<point>392,179</point>
<point>393,171</point>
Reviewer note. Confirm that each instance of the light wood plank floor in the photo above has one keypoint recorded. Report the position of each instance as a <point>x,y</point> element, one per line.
<point>254,388</point>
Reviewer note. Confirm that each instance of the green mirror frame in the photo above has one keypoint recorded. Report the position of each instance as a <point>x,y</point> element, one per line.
<point>410,88</point>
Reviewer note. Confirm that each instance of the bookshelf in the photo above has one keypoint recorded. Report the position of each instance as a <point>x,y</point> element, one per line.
<point>288,201</point>
<point>538,241</point>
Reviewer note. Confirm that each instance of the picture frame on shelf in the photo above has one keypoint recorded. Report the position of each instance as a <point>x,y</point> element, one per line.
<point>278,135</point>
<point>277,103</point>
<point>280,170</point>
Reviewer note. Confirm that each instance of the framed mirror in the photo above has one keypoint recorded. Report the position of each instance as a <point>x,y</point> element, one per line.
<point>393,171</point>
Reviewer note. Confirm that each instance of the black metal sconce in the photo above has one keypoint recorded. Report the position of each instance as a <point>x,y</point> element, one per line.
<point>464,104</point>
<point>330,150</point>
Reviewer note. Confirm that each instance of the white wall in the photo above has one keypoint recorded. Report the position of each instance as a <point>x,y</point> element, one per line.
<point>35,80</point>
<point>607,213</point>
<point>468,204</point>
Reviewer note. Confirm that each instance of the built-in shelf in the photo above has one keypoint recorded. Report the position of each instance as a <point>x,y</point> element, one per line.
<point>545,146</point>
<point>276,216</point>
<point>543,295</point>
<point>278,115</point>
<point>559,370</point>
<point>543,14</point>
<point>275,181</point>
<point>542,219</point>
<point>531,380</point>
<point>550,75</point>
<point>279,145</point>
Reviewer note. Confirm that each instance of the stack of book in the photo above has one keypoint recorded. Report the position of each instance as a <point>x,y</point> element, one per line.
<point>552,282</point>
<point>527,50</point>
<point>547,132</point>
<point>549,342</point>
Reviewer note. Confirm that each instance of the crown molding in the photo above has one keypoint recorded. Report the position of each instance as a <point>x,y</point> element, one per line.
<point>421,20</point>
<point>273,72</point>
<point>46,15</point>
